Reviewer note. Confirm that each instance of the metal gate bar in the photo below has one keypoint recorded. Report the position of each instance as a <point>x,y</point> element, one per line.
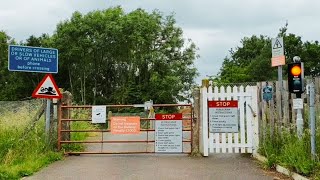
<point>61,120</point>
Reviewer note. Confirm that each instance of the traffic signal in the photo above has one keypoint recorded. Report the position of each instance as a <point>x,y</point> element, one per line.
<point>296,77</point>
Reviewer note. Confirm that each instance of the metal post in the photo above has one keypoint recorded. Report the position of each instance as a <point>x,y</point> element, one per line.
<point>312,121</point>
<point>299,123</point>
<point>48,117</point>
<point>279,104</point>
<point>299,119</point>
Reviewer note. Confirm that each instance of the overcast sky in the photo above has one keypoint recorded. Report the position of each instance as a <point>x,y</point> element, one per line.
<point>214,25</point>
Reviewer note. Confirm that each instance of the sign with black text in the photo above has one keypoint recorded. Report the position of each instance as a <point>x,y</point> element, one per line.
<point>223,116</point>
<point>168,133</point>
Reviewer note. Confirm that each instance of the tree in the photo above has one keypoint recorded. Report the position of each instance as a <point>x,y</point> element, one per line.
<point>109,56</point>
<point>251,61</point>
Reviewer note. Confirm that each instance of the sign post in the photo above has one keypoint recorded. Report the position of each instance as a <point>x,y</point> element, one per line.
<point>48,89</point>
<point>40,60</point>
<point>223,116</point>
<point>278,59</point>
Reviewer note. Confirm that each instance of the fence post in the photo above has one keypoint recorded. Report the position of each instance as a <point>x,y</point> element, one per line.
<point>66,114</point>
<point>195,122</point>
<point>312,121</point>
<point>204,145</point>
<point>255,119</point>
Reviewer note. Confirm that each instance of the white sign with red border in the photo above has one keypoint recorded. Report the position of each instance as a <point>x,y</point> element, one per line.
<point>47,88</point>
<point>168,133</point>
<point>223,116</point>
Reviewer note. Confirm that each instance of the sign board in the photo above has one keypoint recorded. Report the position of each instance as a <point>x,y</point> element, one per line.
<point>32,59</point>
<point>47,88</point>
<point>267,93</point>
<point>223,116</point>
<point>297,103</point>
<point>98,114</point>
<point>277,46</point>
<point>125,125</point>
<point>168,133</point>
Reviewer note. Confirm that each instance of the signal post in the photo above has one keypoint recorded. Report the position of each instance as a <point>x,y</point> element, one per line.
<point>296,86</point>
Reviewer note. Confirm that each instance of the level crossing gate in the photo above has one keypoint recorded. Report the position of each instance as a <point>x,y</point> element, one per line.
<point>105,140</point>
<point>242,135</point>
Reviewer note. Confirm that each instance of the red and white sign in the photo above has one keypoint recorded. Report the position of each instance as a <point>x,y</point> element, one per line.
<point>168,133</point>
<point>168,116</point>
<point>223,116</point>
<point>222,104</point>
<point>47,88</point>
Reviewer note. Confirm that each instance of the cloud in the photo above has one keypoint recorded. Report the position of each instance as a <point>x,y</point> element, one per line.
<point>214,25</point>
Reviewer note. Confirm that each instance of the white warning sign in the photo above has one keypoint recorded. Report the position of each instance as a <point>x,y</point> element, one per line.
<point>47,88</point>
<point>99,114</point>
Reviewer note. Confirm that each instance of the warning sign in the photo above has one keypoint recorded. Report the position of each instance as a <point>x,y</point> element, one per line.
<point>99,114</point>
<point>47,88</point>
<point>125,125</point>
<point>168,133</point>
<point>277,44</point>
<point>278,58</point>
<point>223,116</point>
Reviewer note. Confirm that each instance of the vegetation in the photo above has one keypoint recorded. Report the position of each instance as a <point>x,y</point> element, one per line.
<point>251,62</point>
<point>284,148</point>
<point>22,150</point>
<point>25,150</point>
<point>111,57</point>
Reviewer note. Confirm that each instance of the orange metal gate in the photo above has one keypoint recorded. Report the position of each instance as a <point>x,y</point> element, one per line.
<point>71,116</point>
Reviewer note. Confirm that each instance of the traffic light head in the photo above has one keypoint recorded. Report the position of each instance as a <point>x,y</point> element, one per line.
<point>296,77</point>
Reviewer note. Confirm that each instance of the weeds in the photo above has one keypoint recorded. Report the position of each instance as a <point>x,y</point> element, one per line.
<point>285,148</point>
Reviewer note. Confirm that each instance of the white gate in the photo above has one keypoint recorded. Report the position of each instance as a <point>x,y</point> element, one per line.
<point>244,141</point>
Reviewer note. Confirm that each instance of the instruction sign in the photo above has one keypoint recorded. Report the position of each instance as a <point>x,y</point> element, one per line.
<point>47,88</point>
<point>168,133</point>
<point>223,116</point>
<point>125,125</point>
<point>297,103</point>
<point>99,114</point>
<point>277,46</point>
<point>32,59</point>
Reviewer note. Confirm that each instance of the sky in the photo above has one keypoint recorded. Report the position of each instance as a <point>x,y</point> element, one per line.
<point>215,26</point>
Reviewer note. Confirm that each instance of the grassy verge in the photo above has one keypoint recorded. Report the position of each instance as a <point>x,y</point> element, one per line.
<point>286,149</point>
<point>23,153</point>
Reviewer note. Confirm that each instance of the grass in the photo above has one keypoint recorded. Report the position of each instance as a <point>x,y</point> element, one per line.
<point>79,136</point>
<point>286,149</point>
<point>24,152</point>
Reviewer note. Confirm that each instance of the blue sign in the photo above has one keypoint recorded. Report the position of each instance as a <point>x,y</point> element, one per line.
<point>33,59</point>
<point>267,93</point>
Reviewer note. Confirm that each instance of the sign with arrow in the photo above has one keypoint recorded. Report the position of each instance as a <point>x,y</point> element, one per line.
<point>278,58</point>
<point>47,88</point>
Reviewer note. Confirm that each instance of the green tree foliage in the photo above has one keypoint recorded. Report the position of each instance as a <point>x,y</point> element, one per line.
<point>112,57</point>
<point>251,61</point>
<point>109,56</point>
<point>17,85</point>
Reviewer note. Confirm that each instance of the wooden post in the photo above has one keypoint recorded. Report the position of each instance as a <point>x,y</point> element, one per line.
<point>260,110</point>
<point>286,110</point>
<point>195,123</point>
<point>66,114</point>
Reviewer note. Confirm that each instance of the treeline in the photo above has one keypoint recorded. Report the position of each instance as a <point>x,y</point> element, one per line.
<point>251,61</point>
<point>111,57</point>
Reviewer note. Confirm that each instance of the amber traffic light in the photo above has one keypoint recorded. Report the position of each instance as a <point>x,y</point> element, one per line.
<point>296,77</point>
